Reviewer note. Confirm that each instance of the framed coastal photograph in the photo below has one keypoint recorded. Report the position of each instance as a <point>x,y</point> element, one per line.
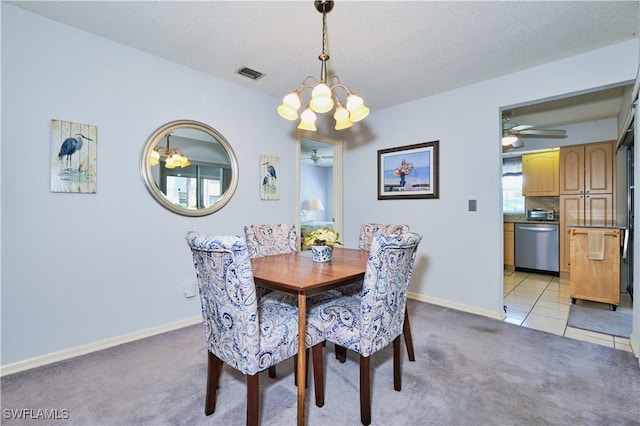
<point>408,172</point>
<point>269,185</point>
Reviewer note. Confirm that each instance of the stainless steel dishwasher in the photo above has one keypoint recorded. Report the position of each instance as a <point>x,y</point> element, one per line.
<point>536,247</point>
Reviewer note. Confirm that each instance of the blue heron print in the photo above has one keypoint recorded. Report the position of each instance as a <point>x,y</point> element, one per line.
<point>271,172</point>
<point>269,177</point>
<point>71,146</point>
<point>73,157</point>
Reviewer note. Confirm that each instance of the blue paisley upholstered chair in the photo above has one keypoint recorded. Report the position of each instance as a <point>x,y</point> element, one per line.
<point>364,243</point>
<point>269,240</point>
<point>369,321</point>
<point>241,331</point>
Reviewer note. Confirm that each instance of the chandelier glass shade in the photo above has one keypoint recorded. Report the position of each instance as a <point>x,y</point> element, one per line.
<point>324,92</point>
<point>173,157</point>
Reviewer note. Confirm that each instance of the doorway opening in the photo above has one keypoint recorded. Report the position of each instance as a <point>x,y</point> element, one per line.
<point>319,201</point>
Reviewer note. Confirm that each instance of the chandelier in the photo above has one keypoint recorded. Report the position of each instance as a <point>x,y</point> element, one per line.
<point>324,91</point>
<point>173,157</point>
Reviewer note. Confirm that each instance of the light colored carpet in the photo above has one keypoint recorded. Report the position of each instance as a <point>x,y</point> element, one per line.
<point>469,370</point>
<point>599,318</point>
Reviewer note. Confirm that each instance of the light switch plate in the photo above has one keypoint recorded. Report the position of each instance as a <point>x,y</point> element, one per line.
<point>473,205</point>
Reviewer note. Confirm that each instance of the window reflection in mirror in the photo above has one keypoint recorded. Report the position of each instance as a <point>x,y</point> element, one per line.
<point>198,184</point>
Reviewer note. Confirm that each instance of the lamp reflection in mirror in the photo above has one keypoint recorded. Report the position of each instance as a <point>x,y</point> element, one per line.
<point>313,206</point>
<point>316,205</point>
<point>323,91</point>
<point>173,157</point>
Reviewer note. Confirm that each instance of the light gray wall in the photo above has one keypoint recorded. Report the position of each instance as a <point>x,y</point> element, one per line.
<point>459,261</point>
<point>77,269</point>
<point>81,268</point>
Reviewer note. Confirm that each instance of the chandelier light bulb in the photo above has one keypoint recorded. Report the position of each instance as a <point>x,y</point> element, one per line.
<point>290,106</point>
<point>356,107</point>
<point>321,98</point>
<point>342,118</point>
<point>174,157</point>
<point>307,120</point>
<point>155,158</point>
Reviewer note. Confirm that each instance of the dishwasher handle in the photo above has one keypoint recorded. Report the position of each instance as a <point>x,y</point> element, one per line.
<point>537,228</point>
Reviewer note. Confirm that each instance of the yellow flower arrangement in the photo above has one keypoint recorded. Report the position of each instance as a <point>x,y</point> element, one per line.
<point>322,237</point>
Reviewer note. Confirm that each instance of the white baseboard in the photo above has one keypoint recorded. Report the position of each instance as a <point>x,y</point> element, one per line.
<point>115,341</point>
<point>457,306</point>
<point>95,346</point>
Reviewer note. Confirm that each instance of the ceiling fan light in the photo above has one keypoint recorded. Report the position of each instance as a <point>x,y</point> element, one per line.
<point>307,120</point>
<point>509,140</point>
<point>517,144</point>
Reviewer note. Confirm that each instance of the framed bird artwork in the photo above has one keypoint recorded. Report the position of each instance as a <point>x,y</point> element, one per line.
<point>269,185</point>
<point>74,157</point>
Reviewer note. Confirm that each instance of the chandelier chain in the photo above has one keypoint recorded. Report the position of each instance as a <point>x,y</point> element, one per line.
<point>323,94</point>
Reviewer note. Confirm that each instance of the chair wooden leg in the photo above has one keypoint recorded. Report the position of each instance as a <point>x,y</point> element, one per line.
<point>306,373</point>
<point>365,390</point>
<point>214,367</point>
<point>272,371</point>
<point>253,400</point>
<point>397,371</point>
<point>318,374</point>
<point>406,330</point>
<point>341,353</point>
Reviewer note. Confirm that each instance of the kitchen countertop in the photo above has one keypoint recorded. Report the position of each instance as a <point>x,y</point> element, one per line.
<point>548,222</point>
<point>596,226</point>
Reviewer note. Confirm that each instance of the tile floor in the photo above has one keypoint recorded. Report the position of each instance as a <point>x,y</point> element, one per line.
<point>542,302</point>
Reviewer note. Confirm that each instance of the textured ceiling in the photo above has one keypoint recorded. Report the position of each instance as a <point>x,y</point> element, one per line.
<point>390,52</point>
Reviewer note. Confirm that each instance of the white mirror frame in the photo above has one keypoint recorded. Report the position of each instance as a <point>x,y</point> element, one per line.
<point>145,167</point>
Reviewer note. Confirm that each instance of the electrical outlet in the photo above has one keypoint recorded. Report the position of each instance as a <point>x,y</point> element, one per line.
<point>189,288</point>
<point>473,205</point>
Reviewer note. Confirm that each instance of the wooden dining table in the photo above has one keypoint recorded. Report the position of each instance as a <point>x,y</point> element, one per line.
<point>297,273</point>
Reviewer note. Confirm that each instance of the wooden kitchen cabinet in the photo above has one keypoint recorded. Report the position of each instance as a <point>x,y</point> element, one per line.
<point>509,246</point>
<point>587,169</point>
<point>595,280</point>
<point>541,174</point>
<point>587,179</point>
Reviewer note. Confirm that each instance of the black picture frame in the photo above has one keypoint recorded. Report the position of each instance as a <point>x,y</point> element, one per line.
<point>409,172</point>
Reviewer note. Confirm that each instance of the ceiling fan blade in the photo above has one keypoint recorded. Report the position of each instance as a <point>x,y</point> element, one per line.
<point>520,127</point>
<point>550,132</point>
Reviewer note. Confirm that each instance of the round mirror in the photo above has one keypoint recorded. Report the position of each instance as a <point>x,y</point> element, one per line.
<point>189,168</point>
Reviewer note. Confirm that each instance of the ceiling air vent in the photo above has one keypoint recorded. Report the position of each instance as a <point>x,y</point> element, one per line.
<point>249,73</point>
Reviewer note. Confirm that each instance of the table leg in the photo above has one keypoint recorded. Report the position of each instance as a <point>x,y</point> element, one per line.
<point>302,331</point>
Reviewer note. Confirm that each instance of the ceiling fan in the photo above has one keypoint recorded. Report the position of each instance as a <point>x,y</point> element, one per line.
<point>513,132</point>
<point>315,157</point>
